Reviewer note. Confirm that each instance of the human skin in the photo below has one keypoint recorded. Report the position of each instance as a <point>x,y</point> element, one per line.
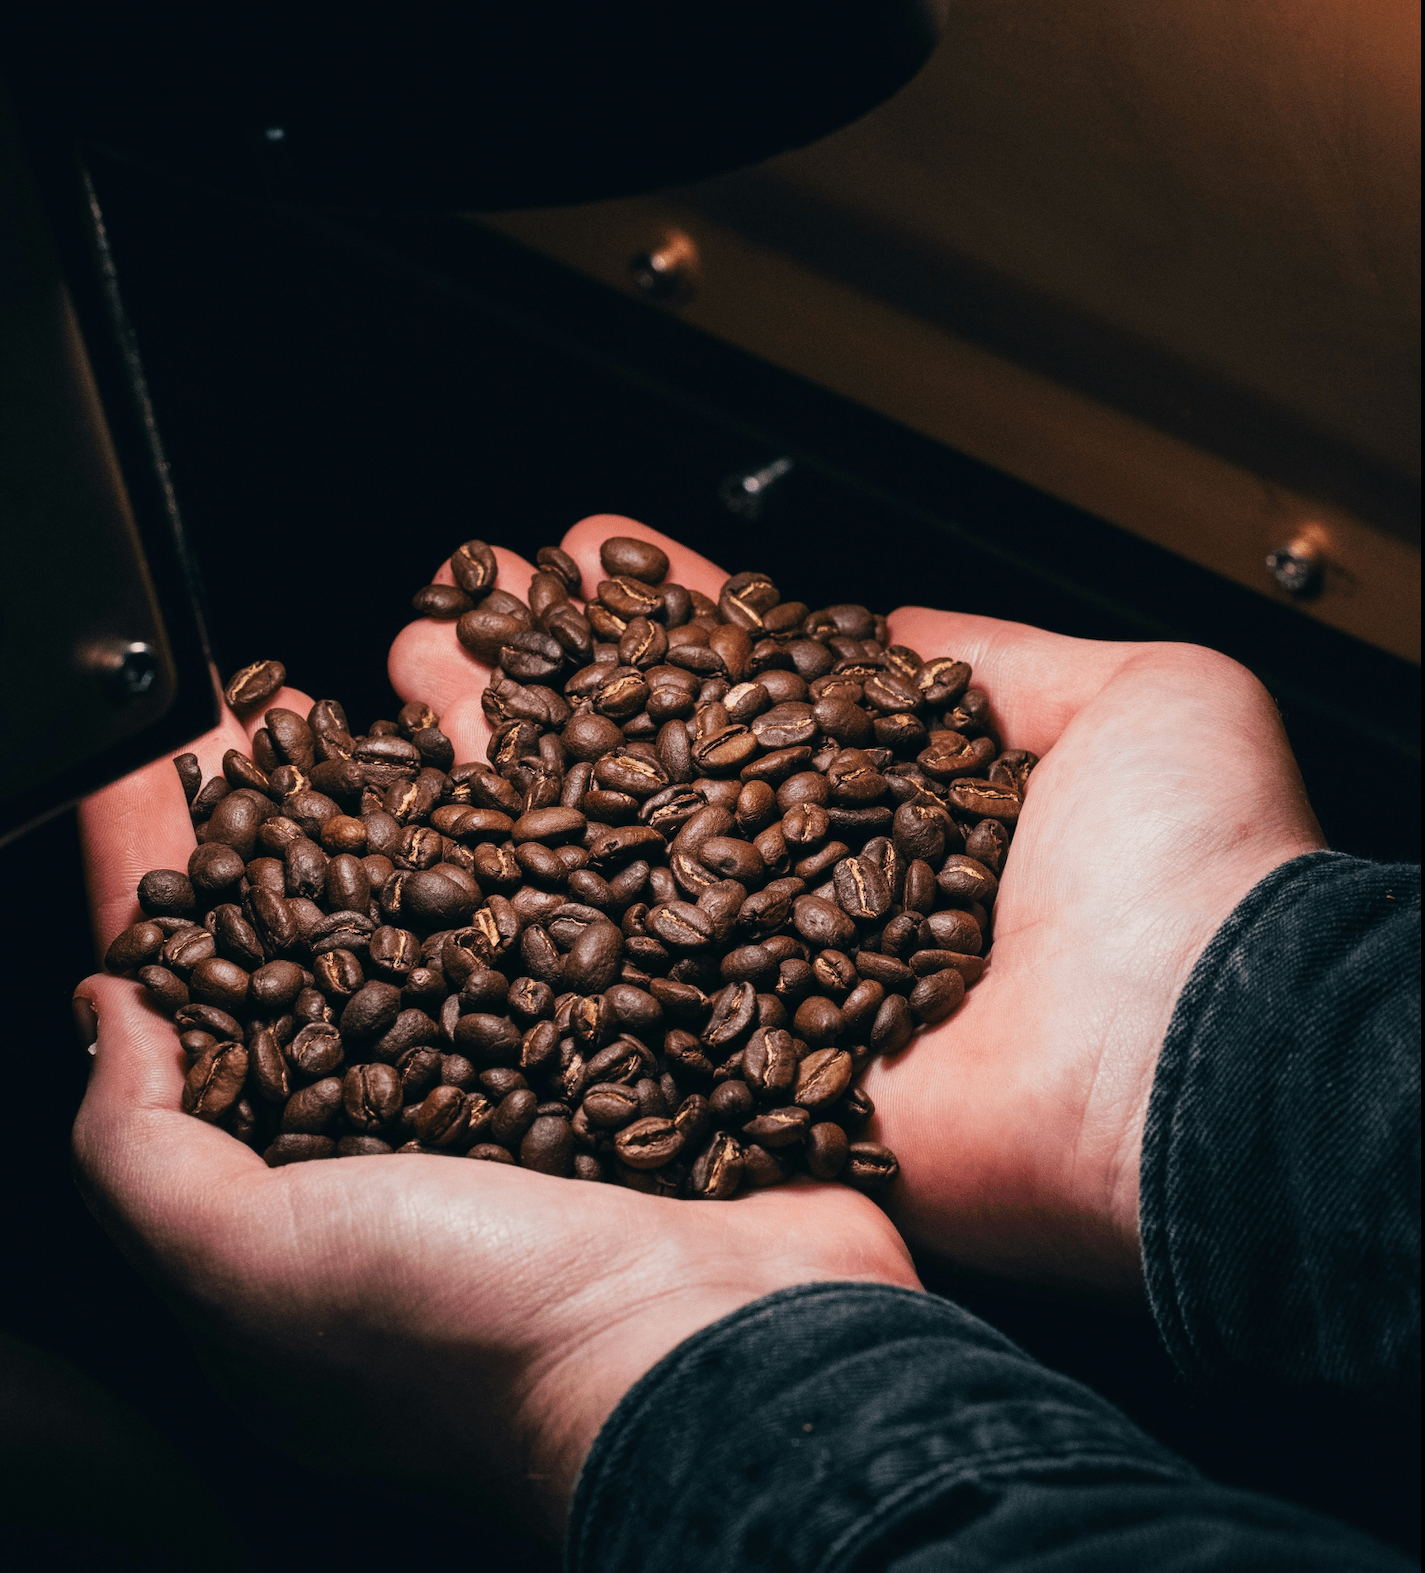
<point>499,1315</point>
<point>457,1324</point>
<point>1166,790</point>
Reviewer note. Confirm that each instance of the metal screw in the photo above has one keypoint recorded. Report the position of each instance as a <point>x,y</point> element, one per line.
<point>1296,567</point>
<point>747,495</point>
<point>669,272</point>
<point>126,669</point>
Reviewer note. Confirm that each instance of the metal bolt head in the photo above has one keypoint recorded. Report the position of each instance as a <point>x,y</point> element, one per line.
<point>1296,567</point>
<point>667,272</point>
<point>126,669</point>
<point>749,494</point>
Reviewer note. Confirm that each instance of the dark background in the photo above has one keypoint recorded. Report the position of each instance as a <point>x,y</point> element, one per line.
<point>343,401</point>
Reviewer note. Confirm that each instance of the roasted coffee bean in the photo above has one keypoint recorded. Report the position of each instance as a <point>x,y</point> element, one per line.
<point>889,971</point>
<point>778,1128</point>
<point>338,974</point>
<point>963,878</point>
<point>219,982</point>
<point>215,1081</point>
<point>870,1167</point>
<point>164,892</point>
<point>138,945</point>
<point>827,1150</point>
<point>731,1102</point>
<point>695,831</point>
<point>610,1105</point>
<point>214,869</point>
<point>370,1011</point>
<point>893,1027</point>
<point>314,1110</point>
<point>371,1096</point>
<point>316,1051</point>
<point>291,1147</point>
<point>249,689</point>
<point>474,569</point>
<point>190,773</point>
<point>205,1018</point>
<point>822,1077</point>
<point>970,968</point>
<point>955,930</point>
<point>441,600</point>
<point>547,1146</point>
<point>648,1143</point>
<point>717,1172</point>
<point>624,556</point>
<point>513,1116</point>
<point>441,1117</point>
<point>195,1044</point>
<point>275,986</point>
<point>822,923</point>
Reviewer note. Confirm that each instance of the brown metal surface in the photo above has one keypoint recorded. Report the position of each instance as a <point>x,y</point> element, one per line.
<point>1161,262</point>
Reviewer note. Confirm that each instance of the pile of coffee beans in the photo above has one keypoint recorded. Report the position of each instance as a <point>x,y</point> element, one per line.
<point>720,854</point>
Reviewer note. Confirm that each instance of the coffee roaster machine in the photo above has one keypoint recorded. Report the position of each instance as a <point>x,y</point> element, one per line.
<point>1098,317</point>
<point>1112,324</point>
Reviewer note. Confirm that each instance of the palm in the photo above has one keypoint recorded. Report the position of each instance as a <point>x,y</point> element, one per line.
<point>497,1313</point>
<point>1166,790</point>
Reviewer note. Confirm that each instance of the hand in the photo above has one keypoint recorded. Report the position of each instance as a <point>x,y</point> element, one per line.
<point>1166,791</point>
<point>455,1323</point>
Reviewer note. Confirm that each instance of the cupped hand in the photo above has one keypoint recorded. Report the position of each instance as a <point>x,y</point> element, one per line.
<point>1165,791</point>
<point>452,1322</point>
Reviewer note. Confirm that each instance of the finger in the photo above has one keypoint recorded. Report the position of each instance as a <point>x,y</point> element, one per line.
<point>1037,682</point>
<point>427,662</point>
<point>139,1156</point>
<point>139,823</point>
<point>685,567</point>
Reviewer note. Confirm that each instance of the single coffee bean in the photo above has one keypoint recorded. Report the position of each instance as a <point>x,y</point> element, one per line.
<point>216,981</point>
<point>624,556</point>
<point>827,1150</point>
<point>474,569</point>
<point>648,1143</point>
<point>822,1077</point>
<point>717,1171</point>
<point>445,601</point>
<point>251,687</point>
<point>215,1081</point>
<point>548,1146</point>
<point>315,1052</point>
<point>164,892</point>
<point>371,1096</point>
<point>314,1110</point>
<point>964,878</point>
<point>292,1147</point>
<point>731,1102</point>
<point>893,1027</point>
<point>778,1128</point>
<point>370,1011</point>
<point>870,1167</point>
<point>205,1018</point>
<point>936,995</point>
<point>190,774</point>
<point>441,1117</point>
<point>138,945</point>
<point>513,1116</point>
<point>268,1071</point>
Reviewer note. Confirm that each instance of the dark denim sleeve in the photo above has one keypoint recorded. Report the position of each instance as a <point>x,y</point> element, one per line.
<point>1280,1201</point>
<point>841,1427</point>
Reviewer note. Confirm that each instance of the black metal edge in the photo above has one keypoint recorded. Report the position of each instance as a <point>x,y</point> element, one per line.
<point>1303,662</point>
<point>62,188</point>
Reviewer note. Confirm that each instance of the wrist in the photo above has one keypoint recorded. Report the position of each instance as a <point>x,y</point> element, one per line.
<point>572,1391</point>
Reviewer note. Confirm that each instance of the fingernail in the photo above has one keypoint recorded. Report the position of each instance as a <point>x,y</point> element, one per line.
<point>86,1022</point>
